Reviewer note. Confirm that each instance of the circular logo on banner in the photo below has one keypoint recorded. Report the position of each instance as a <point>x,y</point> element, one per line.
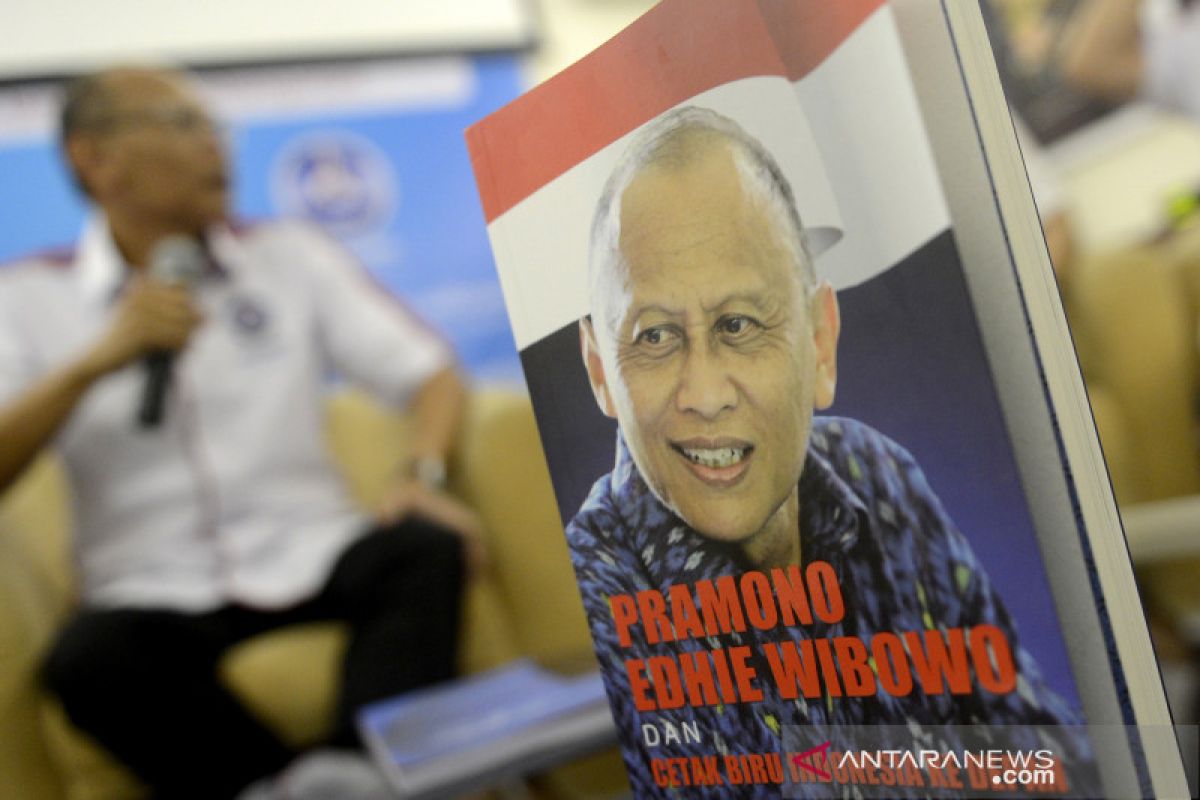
<point>340,180</point>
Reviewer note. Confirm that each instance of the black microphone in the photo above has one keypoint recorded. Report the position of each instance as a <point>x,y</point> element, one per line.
<point>177,261</point>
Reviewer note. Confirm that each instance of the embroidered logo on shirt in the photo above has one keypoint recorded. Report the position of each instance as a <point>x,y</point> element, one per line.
<point>249,316</point>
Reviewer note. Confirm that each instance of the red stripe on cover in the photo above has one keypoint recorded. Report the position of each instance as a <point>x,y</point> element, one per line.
<point>655,64</point>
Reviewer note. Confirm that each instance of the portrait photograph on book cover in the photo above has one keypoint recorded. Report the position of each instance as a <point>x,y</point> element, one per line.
<point>786,480</point>
<point>740,522</point>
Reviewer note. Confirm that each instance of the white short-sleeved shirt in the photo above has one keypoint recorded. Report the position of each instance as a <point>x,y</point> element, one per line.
<point>234,497</point>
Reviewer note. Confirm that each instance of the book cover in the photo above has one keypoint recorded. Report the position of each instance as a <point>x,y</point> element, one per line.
<point>787,483</point>
<point>486,729</point>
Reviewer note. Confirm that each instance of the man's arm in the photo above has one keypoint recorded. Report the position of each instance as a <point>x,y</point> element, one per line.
<point>29,422</point>
<point>1102,51</point>
<point>437,411</point>
<point>377,343</point>
<point>150,316</point>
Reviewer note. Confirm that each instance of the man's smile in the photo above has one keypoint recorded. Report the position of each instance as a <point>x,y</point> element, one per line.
<point>718,462</point>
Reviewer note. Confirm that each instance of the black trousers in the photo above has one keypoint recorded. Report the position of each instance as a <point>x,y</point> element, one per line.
<point>144,683</point>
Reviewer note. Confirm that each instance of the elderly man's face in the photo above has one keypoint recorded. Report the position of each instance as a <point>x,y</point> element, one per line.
<point>706,348</point>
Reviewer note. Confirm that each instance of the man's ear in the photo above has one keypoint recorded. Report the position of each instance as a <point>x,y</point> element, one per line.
<point>826,325</point>
<point>595,368</point>
<point>86,157</point>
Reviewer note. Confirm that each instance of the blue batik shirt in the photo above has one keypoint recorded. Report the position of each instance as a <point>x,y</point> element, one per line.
<point>902,565</point>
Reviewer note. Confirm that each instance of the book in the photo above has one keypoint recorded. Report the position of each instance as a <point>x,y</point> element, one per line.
<point>485,730</point>
<point>818,438</point>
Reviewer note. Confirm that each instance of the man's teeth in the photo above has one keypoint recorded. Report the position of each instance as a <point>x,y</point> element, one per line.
<point>715,457</point>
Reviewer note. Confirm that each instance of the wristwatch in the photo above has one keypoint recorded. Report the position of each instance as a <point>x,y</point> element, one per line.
<point>429,470</point>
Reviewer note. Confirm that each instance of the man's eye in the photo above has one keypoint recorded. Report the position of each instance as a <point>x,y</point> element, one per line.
<point>736,325</point>
<point>654,337</point>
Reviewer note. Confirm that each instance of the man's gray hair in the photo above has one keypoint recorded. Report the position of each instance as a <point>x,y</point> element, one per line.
<point>674,140</point>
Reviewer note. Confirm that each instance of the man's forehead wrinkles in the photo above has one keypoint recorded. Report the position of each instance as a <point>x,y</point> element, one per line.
<point>761,297</point>
<point>636,312</point>
<point>662,242</point>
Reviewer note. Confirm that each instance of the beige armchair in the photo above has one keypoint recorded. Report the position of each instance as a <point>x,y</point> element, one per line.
<point>526,604</point>
<point>1135,315</point>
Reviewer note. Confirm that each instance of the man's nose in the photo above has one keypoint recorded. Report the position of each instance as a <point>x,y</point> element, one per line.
<point>705,385</point>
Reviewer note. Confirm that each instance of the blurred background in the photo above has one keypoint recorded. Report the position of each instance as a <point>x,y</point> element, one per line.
<point>351,116</point>
<point>352,120</point>
<point>1105,95</point>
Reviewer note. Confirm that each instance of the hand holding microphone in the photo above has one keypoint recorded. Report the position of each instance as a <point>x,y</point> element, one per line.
<point>154,319</point>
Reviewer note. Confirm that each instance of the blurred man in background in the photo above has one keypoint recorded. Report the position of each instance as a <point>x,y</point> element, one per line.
<point>1121,49</point>
<point>224,518</point>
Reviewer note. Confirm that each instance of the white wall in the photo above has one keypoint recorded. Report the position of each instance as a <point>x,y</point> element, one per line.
<point>572,28</point>
<point>60,36</point>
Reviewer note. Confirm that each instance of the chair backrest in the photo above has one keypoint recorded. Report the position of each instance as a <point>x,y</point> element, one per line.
<point>1135,333</point>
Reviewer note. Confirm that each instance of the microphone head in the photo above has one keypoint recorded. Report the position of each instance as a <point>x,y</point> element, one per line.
<point>177,260</point>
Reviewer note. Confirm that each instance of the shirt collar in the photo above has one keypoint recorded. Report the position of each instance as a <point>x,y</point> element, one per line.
<point>101,269</point>
<point>227,251</point>
<point>99,266</point>
<point>831,514</point>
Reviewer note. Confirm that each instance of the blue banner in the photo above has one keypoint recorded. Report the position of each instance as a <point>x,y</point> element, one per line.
<point>375,155</point>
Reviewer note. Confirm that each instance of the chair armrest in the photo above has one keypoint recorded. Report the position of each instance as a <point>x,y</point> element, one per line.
<point>502,473</point>
<point>28,618</point>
